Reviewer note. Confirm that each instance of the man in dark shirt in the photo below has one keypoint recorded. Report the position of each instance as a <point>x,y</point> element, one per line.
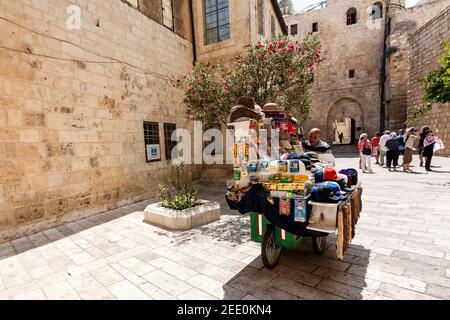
<point>393,145</point>
<point>315,143</point>
<point>423,133</point>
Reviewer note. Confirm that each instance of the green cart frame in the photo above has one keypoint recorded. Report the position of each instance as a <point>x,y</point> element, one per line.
<point>274,239</point>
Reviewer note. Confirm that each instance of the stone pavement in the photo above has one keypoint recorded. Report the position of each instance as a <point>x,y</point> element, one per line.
<point>401,251</point>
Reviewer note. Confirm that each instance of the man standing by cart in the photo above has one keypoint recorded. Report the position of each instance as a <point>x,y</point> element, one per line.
<point>315,142</point>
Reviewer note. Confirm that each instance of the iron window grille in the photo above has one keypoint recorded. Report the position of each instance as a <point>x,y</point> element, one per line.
<point>169,145</point>
<point>294,29</point>
<point>151,137</point>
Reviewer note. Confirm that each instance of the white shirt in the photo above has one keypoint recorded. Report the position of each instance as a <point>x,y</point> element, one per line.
<point>410,143</point>
<point>383,140</point>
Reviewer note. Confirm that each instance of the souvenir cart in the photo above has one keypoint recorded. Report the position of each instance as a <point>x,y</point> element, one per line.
<point>293,196</point>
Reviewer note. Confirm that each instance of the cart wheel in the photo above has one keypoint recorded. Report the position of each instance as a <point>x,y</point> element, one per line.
<point>270,253</point>
<point>319,245</point>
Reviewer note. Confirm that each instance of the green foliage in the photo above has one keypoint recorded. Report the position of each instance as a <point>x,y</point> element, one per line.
<point>279,70</point>
<point>437,88</point>
<point>437,84</point>
<point>180,193</point>
<point>418,113</point>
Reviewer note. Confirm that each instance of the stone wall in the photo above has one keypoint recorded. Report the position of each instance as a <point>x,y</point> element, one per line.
<point>427,46</point>
<point>72,110</point>
<point>347,47</point>
<point>404,24</point>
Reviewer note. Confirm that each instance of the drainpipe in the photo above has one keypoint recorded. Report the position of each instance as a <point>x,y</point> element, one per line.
<point>194,45</point>
<point>383,77</point>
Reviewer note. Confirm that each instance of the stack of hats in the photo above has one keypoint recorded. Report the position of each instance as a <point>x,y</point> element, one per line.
<point>313,156</point>
<point>352,176</point>
<point>309,159</point>
<point>330,174</point>
<point>328,191</point>
<point>332,186</point>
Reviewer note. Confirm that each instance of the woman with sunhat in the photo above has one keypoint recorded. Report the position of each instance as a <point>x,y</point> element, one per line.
<point>409,138</point>
<point>365,153</point>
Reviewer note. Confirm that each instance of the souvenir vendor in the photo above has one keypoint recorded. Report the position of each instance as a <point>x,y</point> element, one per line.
<point>315,143</point>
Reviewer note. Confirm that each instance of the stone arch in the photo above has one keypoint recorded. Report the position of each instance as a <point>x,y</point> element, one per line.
<point>339,111</point>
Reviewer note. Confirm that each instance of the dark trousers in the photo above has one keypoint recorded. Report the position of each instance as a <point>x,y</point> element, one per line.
<point>392,158</point>
<point>428,154</point>
<point>428,161</point>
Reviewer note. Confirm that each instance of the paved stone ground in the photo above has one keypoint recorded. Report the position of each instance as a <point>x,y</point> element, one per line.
<point>401,251</point>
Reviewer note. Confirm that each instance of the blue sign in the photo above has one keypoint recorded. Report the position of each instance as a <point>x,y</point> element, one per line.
<point>153,152</point>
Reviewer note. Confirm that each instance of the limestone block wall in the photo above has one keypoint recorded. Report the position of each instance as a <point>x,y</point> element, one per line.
<point>72,107</point>
<point>355,47</point>
<point>404,24</point>
<point>426,48</point>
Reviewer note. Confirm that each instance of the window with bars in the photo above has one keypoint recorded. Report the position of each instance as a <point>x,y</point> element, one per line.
<point>217,21</point>
<point>351,16</point>
<point>169,145</point>
<point>152,141</point>
<point>315,27</point>
<point>294,30</point>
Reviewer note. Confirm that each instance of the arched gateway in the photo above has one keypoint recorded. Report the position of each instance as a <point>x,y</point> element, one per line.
<point>345,121</point>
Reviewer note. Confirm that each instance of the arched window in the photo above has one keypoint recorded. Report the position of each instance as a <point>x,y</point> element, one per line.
<point>351,16</point>
<point>377,11</point>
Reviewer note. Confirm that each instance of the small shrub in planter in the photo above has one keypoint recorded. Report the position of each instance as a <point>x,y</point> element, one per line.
<point>180,192</point>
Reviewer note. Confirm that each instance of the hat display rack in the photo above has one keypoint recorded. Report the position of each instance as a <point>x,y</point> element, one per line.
<point>306,205</point>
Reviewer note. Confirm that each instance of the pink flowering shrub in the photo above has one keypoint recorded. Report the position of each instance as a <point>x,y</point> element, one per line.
<point>279,70</point>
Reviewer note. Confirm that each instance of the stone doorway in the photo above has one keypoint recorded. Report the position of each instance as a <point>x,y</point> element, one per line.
<point>344,132</point>
<point>345,122</point>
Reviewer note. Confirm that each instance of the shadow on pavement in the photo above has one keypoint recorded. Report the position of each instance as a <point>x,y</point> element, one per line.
<point>24,244</point>
<point>305,276</point>
<point>236,231</point>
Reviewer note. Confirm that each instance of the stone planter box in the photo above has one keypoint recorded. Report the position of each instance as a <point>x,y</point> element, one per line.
<point>176,220</point>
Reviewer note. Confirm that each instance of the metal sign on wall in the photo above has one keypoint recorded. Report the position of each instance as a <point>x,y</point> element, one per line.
<point>153,152</point>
